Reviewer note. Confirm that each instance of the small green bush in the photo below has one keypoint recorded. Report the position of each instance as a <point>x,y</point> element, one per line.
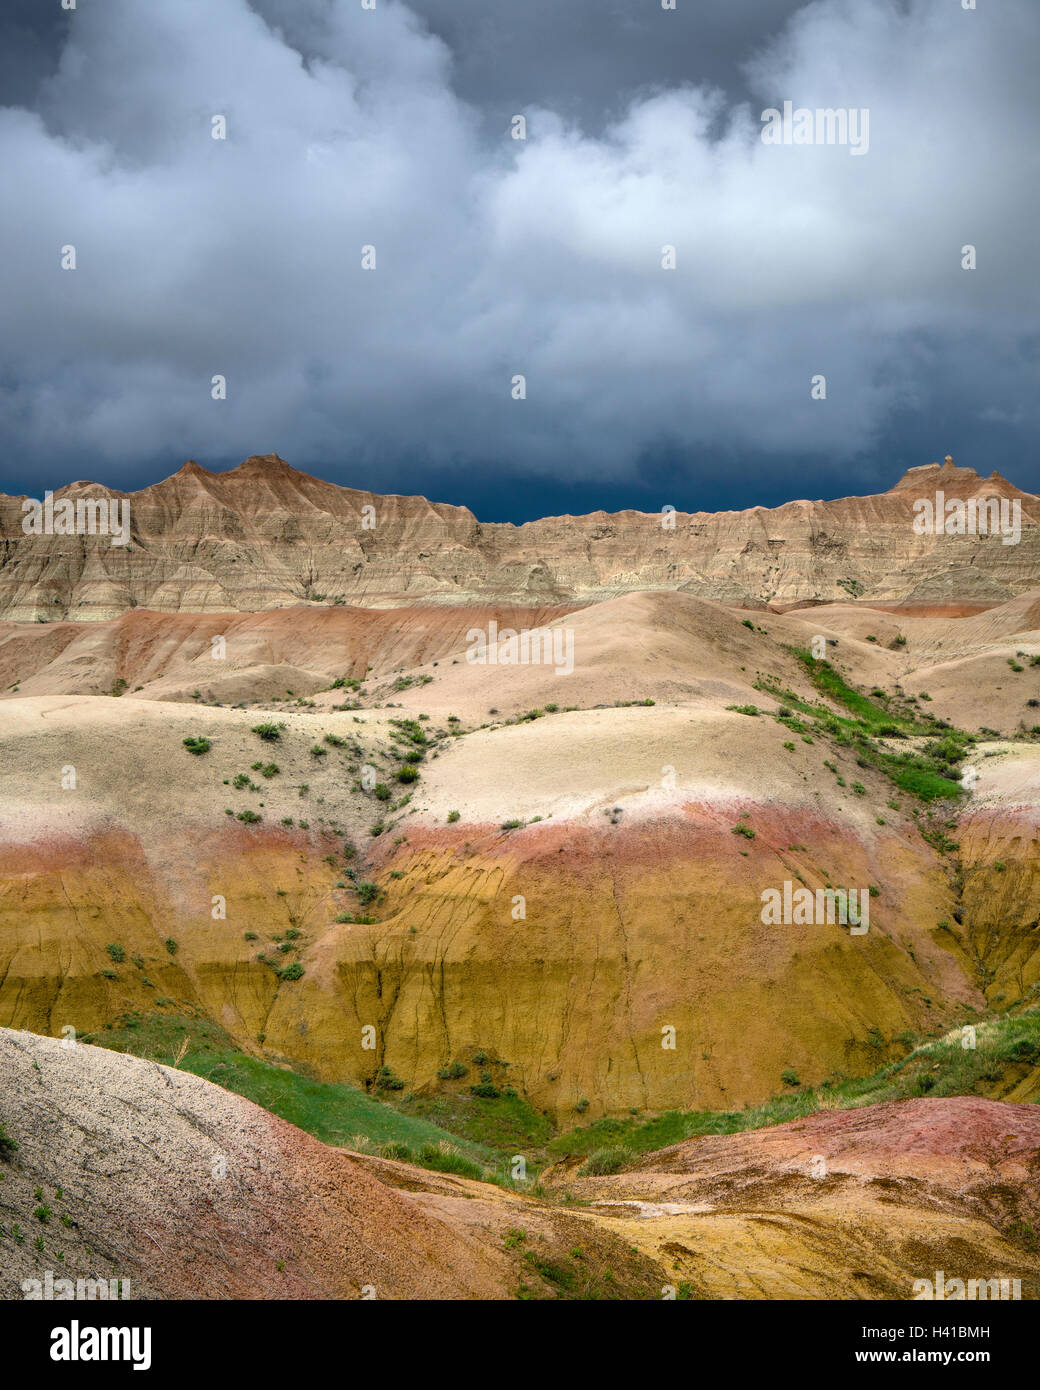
<point>452,1071</point>
<point>602,1162</point>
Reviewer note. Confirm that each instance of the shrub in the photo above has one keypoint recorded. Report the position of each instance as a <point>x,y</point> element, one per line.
<point>602,1162</point>
<point>270,733</point>
<point>197,745</point>
<point>387,1081</point>
<point>171,945</point>
<point>248,817</point>
<point>789,1077</point>
<point>748,624</point>
<point>452,1071</point>
<point>382,791</point>
<point>367,892</point>
<point>744,830</point>
<point>408,773</point>
<point>270,770</point>
<point>291,972</point>
<point>318,752</point>
<point>7,1144</point>
<point>486,1090</point>
<point>453,817</point>
<point>116,952</point>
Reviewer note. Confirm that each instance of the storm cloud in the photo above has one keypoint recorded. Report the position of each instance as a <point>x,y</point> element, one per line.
<point>496,258</point>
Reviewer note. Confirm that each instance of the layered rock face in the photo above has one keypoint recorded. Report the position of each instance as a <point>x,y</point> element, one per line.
<point>622,919</point>
<point>267,536</point>
<point>866,1203</point>
<point>179,1189</point>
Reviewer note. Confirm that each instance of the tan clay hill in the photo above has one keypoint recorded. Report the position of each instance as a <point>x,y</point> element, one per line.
<point>266,536</point>
<point>641,905</point>
<point>647,817</point>
<point>183,1190</point>
<point>575,875</point>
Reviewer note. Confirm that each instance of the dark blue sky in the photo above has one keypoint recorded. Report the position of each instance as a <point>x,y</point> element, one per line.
<point>495,258</point>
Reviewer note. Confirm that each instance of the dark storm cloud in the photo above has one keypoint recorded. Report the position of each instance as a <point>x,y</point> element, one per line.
<point>587,58</point>
<point>497,257</point>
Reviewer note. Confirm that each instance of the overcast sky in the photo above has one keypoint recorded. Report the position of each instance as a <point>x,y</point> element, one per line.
<point>497,257</point>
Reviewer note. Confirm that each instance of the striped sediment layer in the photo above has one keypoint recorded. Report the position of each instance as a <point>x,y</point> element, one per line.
<point>628,966</point>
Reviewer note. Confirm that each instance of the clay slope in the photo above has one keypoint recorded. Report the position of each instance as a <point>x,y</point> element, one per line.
<point>845,1204</point>
<point>641,908</point>
<point>675,648</point>
<point>266,536</point>
<point>168,656</point>
<point>188,1191</point>
<point>128,1170</point>
<point>977,670</point>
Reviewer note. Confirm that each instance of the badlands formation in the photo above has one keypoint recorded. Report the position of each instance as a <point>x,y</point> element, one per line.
<point>253,780</point>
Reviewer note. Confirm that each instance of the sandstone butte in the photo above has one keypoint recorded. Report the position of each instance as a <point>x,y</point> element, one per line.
<point>642,906</point>
<point>265,536</point>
